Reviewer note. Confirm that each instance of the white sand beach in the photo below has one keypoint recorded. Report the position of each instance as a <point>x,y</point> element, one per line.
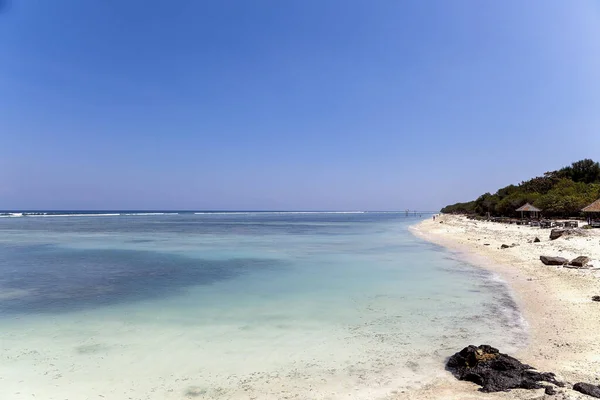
<point>563,321</point>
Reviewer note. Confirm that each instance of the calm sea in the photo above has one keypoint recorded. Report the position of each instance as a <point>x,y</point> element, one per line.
<point>235,306</point>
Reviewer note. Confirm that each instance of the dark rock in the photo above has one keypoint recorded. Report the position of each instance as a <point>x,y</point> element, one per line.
<point>581,261</point>
<point>486,244</point>
<point>595,298</point>
<point>547,260</point>
<point>494,371</point>
<point>587,388</point>
<point>536,240</point>
<point>550,391</point>
<point>504,246</point>
<point>556,233</point>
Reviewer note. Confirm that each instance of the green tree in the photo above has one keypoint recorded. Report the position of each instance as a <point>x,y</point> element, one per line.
<point>486,203</point>
<point>586,171</point>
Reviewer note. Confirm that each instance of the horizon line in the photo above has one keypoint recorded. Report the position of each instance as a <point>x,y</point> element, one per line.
<point>199,210</point>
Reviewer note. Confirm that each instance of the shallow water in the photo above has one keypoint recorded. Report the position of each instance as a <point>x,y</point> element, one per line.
<point>235,306</point>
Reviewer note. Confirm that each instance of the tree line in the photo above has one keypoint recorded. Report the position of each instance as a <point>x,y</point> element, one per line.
<point>561,193</point>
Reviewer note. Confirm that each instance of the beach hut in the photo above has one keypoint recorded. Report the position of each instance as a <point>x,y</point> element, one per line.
<point>592,213</point>
<point>528,208</point>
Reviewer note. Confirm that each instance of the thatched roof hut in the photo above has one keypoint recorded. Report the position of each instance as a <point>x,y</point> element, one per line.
<point>592,208</point>
<point>530,209</point>
<point>592,212</point>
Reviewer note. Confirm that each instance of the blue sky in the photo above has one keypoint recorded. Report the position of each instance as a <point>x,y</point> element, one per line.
<point>346,105</point>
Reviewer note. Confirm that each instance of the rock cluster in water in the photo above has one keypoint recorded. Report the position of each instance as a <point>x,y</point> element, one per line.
<point>494,371</point>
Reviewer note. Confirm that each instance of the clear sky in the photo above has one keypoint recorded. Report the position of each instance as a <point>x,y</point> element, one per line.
<point>293,104</point>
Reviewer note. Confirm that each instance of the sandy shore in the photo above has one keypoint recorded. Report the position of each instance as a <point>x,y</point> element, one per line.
<point>564,323</point>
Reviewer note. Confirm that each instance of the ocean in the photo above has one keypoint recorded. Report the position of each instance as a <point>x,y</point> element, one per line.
<point>225,305</point>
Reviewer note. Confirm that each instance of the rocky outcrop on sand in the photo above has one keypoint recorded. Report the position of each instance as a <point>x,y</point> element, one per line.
<point>587,388</point>
<point>580,262</point>
<point>495,372</point>
<point>548,260</point>
<point>556,233</point>
<point>559,232</point>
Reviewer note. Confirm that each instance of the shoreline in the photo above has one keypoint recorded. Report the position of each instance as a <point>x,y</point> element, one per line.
<point>562,321</point>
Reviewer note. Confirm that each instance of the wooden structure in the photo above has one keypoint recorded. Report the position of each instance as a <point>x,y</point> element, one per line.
<point>592,213</point>
<point>528,208</point>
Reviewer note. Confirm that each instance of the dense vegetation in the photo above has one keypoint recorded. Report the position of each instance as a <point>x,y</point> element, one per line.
<point>558,193</point>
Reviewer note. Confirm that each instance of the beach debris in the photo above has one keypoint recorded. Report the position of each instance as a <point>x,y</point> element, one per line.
<point>547,260</point>
<point>587,388</point>
<point>505,246</point>
<point>595,298</point>
<point>581,262</point>
<point>536,240</point>
<point>495,371</point>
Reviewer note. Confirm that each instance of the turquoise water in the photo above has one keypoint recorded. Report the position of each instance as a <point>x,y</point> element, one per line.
<point>235,306</point>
